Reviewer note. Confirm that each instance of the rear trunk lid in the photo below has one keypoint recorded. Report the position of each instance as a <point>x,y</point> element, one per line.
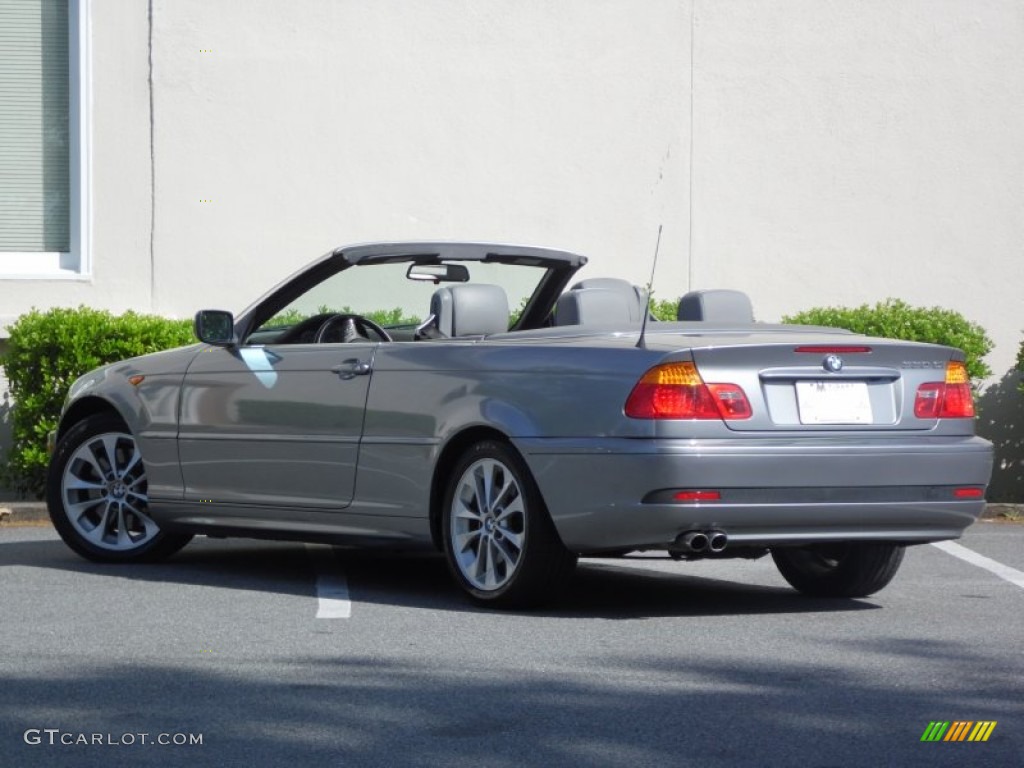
<point>855,383</point>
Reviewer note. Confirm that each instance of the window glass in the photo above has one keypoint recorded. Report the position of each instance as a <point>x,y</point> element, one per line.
<point>383,293</point>
<point>34,127</point>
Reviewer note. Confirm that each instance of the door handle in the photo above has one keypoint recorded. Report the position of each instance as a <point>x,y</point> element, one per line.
<point>352,367</point>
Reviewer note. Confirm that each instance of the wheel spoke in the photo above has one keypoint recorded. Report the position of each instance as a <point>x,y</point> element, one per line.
<point>490,579</point>
<point>515,539</point>
<point>508,557</point>
<point>82,484</point>
<point>79,508</point>
<point>109,443</point>
<point>150,527</point>
<point>133,497</point>
<point>464,512</point>
<point>494,475</point>
<point>465,541</point>
<point>98,533</point>
<point>515,508</point>
<point>135,458</point>
<point>87,457</point>
<point>508,490</point>
<point>123,539</point>
<point>483,484</point>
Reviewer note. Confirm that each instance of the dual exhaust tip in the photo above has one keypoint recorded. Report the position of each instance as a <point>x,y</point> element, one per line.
<point>702,542</point>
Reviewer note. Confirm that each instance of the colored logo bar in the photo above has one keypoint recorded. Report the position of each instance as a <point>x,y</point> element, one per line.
<point>958,730</point>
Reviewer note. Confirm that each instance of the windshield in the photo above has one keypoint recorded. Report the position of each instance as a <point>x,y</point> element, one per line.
<point>384,294</point>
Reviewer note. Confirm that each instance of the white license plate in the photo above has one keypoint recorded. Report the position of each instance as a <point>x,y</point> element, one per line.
<point>833,402</point>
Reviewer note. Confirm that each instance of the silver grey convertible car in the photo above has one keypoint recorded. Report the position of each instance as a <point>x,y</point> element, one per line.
<point>388,395</point>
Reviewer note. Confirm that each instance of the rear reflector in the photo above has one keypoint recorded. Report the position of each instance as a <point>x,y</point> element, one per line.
<point>968,493</point>
<point>834,350</point>
<point>697,496</point>
<point>676,391</point>
<point>949,399</point>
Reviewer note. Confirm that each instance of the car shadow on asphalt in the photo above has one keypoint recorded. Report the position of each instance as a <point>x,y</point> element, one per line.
<point>604,589</point>
<point>598,589</point>
<point>240,564</point>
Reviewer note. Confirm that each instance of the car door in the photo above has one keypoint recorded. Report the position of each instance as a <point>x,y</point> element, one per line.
<point>275,425</point>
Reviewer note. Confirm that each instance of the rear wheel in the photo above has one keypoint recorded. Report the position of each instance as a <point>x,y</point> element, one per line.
<point>96,492</point>
<point>855,569</point>
<point>500,543</point>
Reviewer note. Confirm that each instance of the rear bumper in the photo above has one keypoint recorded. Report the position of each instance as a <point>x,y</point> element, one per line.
<point>608,494</point>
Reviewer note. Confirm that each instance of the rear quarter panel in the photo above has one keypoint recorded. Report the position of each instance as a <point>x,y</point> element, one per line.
<point>424,394</point>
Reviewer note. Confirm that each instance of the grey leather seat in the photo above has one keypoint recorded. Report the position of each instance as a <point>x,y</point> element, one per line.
<point>594,306</point>
<point>718,305</point>
<point>634,294</point>
<point>466,310</point>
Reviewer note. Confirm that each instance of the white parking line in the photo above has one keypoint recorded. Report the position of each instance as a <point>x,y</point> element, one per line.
<point>1011,575</point>
<point>331,585</point>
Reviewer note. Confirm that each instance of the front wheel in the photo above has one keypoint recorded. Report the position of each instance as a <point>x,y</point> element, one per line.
<point>500,543</point>
<point>855,569</point>
<point>96,492</point>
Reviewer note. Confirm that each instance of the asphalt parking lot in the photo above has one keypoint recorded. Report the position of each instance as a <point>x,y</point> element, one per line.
<point>641,662</point>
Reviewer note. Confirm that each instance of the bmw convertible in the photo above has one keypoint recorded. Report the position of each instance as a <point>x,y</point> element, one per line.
<point>475,399</point>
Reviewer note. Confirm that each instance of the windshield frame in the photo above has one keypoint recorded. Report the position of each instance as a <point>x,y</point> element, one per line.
<point>559,267</point>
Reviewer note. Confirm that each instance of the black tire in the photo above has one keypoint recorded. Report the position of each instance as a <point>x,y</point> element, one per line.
<point>856,569</point>
<point>512,531</point>
<point>96,494</point>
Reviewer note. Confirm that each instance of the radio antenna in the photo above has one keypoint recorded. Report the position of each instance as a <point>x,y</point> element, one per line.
<point>650,292</point>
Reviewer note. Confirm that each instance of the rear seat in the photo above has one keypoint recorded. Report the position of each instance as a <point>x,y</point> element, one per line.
<point>634,294</point>
<point>593,306</point>
<point>718,305</point>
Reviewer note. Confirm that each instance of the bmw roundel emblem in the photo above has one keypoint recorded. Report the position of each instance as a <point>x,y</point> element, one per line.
<point>833,363</point>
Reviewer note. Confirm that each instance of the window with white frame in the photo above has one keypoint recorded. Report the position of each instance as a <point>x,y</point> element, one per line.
<point>41,148</point>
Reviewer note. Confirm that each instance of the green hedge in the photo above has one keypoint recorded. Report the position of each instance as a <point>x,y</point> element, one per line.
<point>46,352</point>
<point>895,319</point>
<point>1020,366</point>
<point>663,309</point>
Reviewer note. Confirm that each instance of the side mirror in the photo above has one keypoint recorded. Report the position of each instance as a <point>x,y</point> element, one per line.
<point>215,326</point>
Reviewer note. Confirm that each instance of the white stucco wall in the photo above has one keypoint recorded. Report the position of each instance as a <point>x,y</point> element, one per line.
<point>842,151</point>
<point>849,151</point>
<point>323,123</point>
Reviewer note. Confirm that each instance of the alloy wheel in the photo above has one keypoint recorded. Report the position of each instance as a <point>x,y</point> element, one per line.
<point>488,524</point>
<point>104,493</point>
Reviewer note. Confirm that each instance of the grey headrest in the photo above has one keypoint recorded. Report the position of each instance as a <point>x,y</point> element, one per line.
<point>721,305</point>
<point>636,296</point>
<point>593,306</point>
<point>470,310</point>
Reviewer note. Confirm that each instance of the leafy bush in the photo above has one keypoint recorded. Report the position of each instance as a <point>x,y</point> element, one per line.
<point>663,309</point>
<point>47,351</point>
<point>1020,366</point>
<point>391,317</point>
<point>895,319</point>
<point>385,317</point>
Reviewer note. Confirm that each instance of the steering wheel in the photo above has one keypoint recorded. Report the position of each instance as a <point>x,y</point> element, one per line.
<point>353,328</point>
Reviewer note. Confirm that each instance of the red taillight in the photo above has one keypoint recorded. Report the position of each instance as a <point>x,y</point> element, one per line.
<point>676,391</point>
<point>928,400</point>
<point>697,496</point>
<point>731,400</point>
<point>949,399</point>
